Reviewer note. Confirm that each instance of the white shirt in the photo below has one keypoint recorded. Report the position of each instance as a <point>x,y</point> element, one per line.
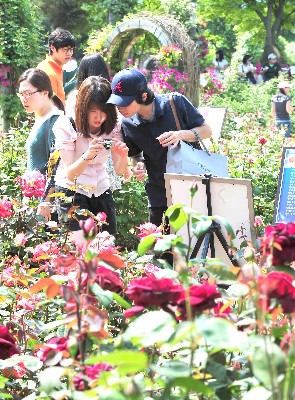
<point>94,180</point>
<point>221,64</point>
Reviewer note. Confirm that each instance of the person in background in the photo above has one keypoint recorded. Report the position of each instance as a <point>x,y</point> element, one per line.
<point>271,69</point>
<point>94,65</point>
<point>219,64</point>
<point>149,128</point>
<point>246,70</point>
<point>90,65</point>
<point>281,107</point>
<point>83,154</point>
<point>61,47</point>
<point>36,95</point>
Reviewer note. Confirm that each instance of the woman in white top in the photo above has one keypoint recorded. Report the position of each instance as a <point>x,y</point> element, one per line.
<point>81,173</point>
<point>219,64</point>
<point>92,65</point>
<point>246,70</point>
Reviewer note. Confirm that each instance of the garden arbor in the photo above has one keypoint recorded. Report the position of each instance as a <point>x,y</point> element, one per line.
<point>167,31</point>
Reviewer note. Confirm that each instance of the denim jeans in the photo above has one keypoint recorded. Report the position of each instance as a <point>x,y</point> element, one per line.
<point>286,125</point>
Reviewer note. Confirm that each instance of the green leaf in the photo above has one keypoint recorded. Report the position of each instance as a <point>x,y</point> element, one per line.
<point>122,302</point>
<point>104,296</point>
<point>173,369</point>
<point>145,244</point>
<point>220,333</point>
<point>189,384</point>
<point>199,228</point>
<point>267,361</point>
<point>177,216</point>
<point>49,381</point>
<point>165,243</point>
<point>221,272</point>
<point>224,222</point>
<point>258,393</point>
<point>150,328</point>
<point>30,362</point>
<point>5,396</point>
<point>125,361</point>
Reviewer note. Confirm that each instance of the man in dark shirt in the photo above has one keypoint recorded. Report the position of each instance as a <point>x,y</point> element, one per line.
<point>272,68</point>
<point>149,128</point>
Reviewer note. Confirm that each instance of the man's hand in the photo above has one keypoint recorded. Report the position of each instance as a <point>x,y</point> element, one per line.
<point>170,138</point>
<point>139,171</point>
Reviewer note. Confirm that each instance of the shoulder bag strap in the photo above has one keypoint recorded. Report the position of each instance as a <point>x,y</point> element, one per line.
<point>173,108</point>
<point>199,141</point>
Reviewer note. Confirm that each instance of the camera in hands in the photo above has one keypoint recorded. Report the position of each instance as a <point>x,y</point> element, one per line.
<point>107,143</point>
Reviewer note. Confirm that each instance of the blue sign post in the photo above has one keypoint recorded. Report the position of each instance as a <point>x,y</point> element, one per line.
<point>285,200</point>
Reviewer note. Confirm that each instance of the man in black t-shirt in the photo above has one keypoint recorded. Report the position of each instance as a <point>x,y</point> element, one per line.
<point>271,69</point>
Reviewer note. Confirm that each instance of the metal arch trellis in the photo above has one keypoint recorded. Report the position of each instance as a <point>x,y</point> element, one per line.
<point>167,30</point>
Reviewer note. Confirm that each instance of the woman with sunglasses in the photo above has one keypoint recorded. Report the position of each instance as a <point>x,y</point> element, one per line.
<point>84,150</point>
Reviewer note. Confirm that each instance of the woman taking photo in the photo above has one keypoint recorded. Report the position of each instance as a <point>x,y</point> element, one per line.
<point>281,107</point>
<point>84,153</point>
<point>92,65</point>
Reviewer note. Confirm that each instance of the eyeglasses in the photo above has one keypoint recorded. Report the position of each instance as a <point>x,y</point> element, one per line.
<point>26,95</point>
<point>67,49</point>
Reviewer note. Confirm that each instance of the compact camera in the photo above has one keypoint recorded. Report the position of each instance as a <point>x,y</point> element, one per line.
<point>107,143</point>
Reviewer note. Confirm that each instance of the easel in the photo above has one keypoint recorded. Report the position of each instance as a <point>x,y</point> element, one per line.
<point>208,238</point>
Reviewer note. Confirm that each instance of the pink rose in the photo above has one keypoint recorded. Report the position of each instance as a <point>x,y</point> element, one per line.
<point>20,239</point>
<point>5,208</point>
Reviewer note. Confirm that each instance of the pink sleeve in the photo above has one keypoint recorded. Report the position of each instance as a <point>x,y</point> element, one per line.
<point>65,134</point>
<point>117,133</point>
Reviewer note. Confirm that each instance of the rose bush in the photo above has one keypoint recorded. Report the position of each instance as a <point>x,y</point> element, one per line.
<point>8,345</point>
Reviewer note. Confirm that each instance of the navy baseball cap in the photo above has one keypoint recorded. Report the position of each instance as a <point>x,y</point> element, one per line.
<point>126,86</point>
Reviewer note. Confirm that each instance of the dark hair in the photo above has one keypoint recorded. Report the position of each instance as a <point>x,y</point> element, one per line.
<point>94,92</point>
<point>148,100</point>
<point>40,80</point>
<point>246,58</point>
<point>282,91</point>
<point>61,38</point>
<point>220,53</point>
<point>92,65</point>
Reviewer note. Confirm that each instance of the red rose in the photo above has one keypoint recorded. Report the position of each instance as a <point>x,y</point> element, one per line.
<point>201,298</point>
<point>109,280</point>
<point>278,285</point>
<point>91,372</point>
<point>279,240</point>
<point>16,372</point>
<point>150,291</point>
<point>52,352</point>
<point>7,344</point>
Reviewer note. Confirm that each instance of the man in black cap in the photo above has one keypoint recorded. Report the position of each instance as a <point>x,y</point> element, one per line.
<point>149,128</point>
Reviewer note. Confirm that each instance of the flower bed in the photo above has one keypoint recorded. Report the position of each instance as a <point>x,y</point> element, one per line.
<point>92,322</point>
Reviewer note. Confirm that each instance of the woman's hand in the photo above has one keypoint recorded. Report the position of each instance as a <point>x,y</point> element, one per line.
<point>120,148</point>
<point>95,147</point>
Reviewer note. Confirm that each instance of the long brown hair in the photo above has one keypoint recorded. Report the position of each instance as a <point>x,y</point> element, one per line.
<point>94,92</point>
